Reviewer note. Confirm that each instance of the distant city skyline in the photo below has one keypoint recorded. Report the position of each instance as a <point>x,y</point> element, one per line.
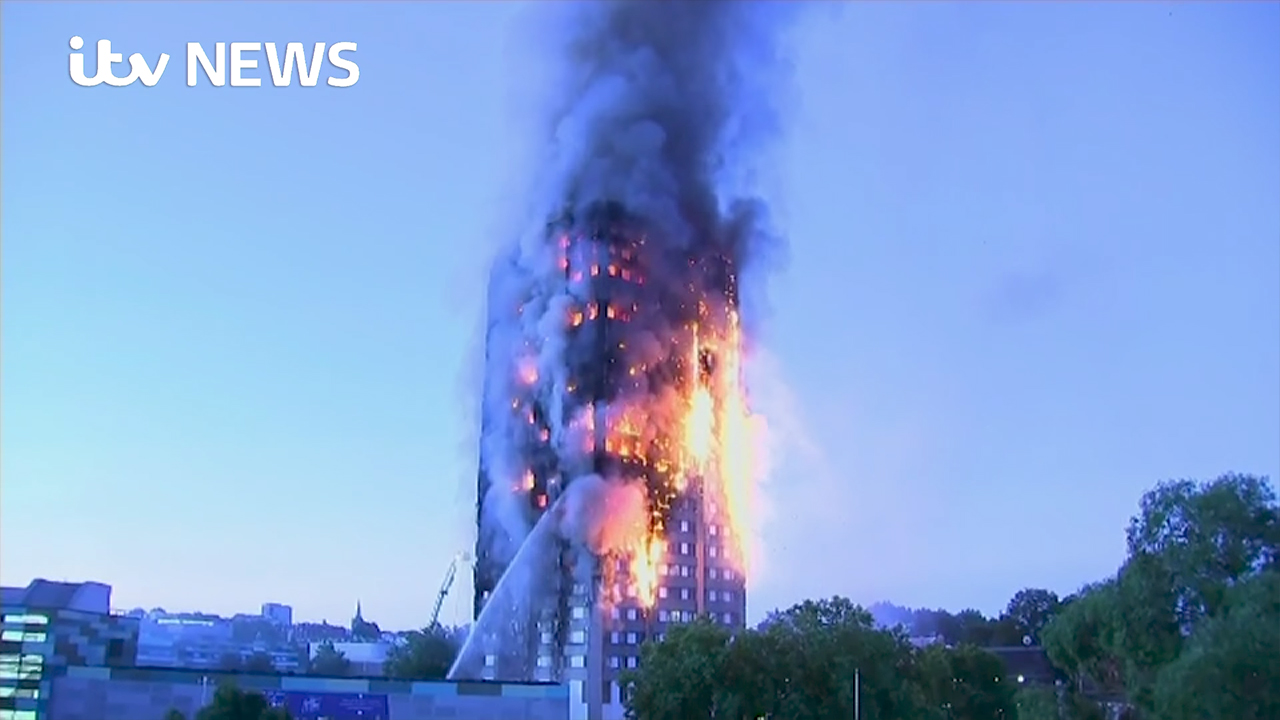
<point>1033,271</point>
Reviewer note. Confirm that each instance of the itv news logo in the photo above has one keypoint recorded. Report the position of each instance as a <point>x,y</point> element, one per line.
<point>216,68</point>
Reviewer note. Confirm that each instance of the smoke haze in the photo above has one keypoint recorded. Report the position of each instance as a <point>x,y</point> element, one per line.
<point>664,109</point>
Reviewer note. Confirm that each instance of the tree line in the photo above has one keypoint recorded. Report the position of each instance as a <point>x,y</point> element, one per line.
<point>1187,627</point>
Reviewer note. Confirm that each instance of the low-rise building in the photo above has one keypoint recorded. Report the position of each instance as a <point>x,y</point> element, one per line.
<point>182,640</point>
<point>1027,665</point>
<point>150,693</point>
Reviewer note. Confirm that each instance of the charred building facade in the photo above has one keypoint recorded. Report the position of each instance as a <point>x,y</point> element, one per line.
<point>613,364</point>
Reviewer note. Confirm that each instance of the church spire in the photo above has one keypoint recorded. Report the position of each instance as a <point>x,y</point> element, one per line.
<point>359,616</point>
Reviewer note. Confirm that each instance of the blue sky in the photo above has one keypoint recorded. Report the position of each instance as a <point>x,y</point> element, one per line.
<point>1034,269</point>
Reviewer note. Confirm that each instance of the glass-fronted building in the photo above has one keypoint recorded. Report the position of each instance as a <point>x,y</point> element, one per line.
<point>24,643</point>
<point>48,626</point>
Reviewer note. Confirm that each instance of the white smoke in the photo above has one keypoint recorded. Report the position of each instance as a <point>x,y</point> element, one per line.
<point>605,516</point>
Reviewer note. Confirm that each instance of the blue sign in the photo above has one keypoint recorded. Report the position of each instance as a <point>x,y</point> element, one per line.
<point>303,705</point>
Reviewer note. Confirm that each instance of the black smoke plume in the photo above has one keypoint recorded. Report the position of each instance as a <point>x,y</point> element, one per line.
<point>662,113</point>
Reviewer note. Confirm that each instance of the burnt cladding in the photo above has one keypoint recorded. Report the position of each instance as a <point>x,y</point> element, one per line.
<point>597,257</point>
<point>629,292</point>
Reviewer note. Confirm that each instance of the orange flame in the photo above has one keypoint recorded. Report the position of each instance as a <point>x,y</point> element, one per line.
<point>714,444</point>
<point>643,574</point>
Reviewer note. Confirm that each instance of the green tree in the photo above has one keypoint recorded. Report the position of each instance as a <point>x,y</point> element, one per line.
<point>973,628</point>
<point>825,645</point>
<point>1079,641</point>
<point>174,714</point>
<point>329,661</point>
<point>1164,623</point>
<point>802,664</point>
<point>259,662</point>
<point>948,626</point>
<point>1005,631</point>
<point>1118,634</point>
<point>1035,703</point>
<point>751,677</point>
<point>231,703</point>
<point>1231,667</point>
<point>966,683</point>
<point>1144,634</point>
<point>683,676</point>
<point>425,654</point>
<point>1208,535</point>
<point>1031,609</point>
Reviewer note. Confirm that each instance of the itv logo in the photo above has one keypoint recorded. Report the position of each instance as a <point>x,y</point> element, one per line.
<point>215,68</point>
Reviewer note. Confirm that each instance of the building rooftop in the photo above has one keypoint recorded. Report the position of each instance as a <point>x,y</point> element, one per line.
<point>1030,662</point>
<point>49,595</point>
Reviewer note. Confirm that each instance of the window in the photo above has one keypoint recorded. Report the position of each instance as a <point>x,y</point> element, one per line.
<point>578,637</point>
<point>17,715</point>
<point>577,661</point>
<point>712,530</point>
<point>631,661</point>
<point>544,661</point>
<point>578,612</point>
<point>713,551</point>
<point>684,593</point>
<point>631,613</point>
<point>728,618</point>
<point>711,595</point>
<point>712,573</point>
<point>26,620</point>
<point>727,596</point>
<point>728,574</point>
<point>546,638</point>
<point>613,661</point>
<point>663,615</point>
<point>662,592</point>
<point>662,569</point>
<point>615,612</point>
<point>684,571</point>
<point>21,667</point>
<point>631,638</point>
<point>660,637</point>
<point>684,548</point>
<point>23,636</point>
<point>24,693</point>
<point>684,526</point>
<point>615,638</point>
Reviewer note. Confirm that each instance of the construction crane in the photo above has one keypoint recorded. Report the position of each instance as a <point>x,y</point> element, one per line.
<point>463,558</point>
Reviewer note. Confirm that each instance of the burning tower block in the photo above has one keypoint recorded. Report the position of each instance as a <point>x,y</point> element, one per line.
<point>616,454</point>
